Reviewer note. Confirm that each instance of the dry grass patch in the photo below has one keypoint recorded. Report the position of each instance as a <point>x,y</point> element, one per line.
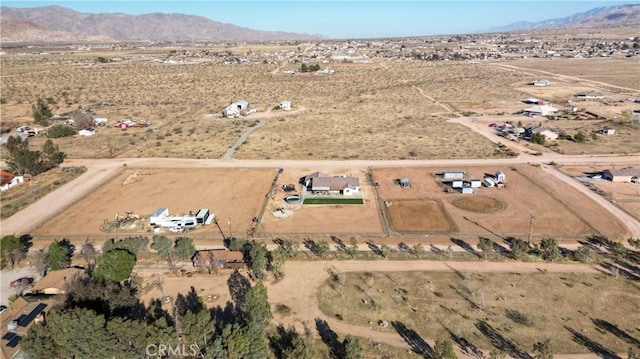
<point>482,204</point>
<point>519,308</point>
<point>23,195</point>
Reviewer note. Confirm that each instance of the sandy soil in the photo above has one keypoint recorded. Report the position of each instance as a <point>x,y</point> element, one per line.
<point>418,216</point>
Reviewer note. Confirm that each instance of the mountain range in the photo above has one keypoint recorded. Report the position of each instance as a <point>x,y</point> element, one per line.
<point>31,25</point>
<point>609,16</point>
<point>58,24</point>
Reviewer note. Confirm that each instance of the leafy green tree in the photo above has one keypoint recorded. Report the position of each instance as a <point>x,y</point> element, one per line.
<point>584,255</point>
<point>21,160</point>
<point>634,242</point>
<point>164,247</point>
<point>618,249</point>
<point>237,244</point>
<point>277,258</point>
<point>199,328</point>
<point>304,68</point>
<point>322,249</point>
<point>234,342</point>
<point>542,350</point>
<point>519,248</point>
<point>59,254</point>
<point>132,244</point>
<point>580,137</point>
<point>352,347</point>
<point>13,250</point>
<point>184,248</point>
<point>549,249</point>
<point>258,260</point>
<point>290,248</point>
<point>115,265</point>
<point>58,131</point>
<point>486,246</point>
<point>76,333</point>
<point>385,250</point>
<point>51,155</point>
<point>41,112</point>
<point>255,308</point>
<point>353,247</point>
<point>444,350</point>
<point>538,138</point>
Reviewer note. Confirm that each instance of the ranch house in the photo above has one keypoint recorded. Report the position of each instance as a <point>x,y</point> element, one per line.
<point>9,180</point>
<point>540,110</point>
<point>324,184</point>
<point>218,258</point>
<point>626,174</point>
<point>236,109</point>
<point>285,105</point>
<point>589,95</point>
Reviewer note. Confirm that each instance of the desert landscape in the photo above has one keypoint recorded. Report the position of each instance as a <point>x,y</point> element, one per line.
<point>411,193</point>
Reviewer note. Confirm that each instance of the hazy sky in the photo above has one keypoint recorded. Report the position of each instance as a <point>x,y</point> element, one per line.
<point>349,19</point>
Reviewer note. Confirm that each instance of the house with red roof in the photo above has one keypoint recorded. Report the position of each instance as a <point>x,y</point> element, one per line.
<point>8,180</point>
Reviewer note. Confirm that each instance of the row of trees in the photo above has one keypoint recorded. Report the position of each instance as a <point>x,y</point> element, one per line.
<point>21,160</point>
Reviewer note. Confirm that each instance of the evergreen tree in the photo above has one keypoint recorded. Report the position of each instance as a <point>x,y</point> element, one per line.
<point>164,247</point>
<point>550,250</point>
<point>115,265</point>
<point>184,248</point>
<point>12,250</point>
<point>59,254</point>
<point>444,350</point>
<point>41,112</point>
<point>486,246</point>
<point>258,260</point>
<point>352,347</point>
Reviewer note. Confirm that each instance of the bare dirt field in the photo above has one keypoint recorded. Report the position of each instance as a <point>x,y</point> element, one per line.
<point>143,191</point>
<point>619,72</point>
<point>624,195</point>
<point>419,216</point>
<point>558,211</point>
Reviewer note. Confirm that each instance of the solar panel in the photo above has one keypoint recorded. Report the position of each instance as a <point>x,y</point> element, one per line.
<point>31,316</point>
<point>14,341</point>
<point>9,336</point>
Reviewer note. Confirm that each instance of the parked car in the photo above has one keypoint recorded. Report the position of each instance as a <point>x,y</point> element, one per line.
<point>493,125</point>
<point>87,132</point>
<point>2,308</point>
<point>21,281</point>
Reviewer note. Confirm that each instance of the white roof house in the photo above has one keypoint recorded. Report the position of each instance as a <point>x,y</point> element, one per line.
<point>549,134</point>
<point>541,110</point>
<point>236,108</point>
<point>541,83</point>
<point>285,105</point>
<point>594,95</point>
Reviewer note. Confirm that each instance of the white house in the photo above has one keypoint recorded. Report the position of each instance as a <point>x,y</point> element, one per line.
<point>9,180</point>
<point>236,108</point>
<point>540,110</point>
<point>500,176</point>
<point>476,183</point>
<point>547,133</point>
<point>100,121</point>
<point>285,105</point>
<point>457,183</point>
<point>541,83</point>
<point>467,189</point>
<point>322,183</point>
<point>590,95</point>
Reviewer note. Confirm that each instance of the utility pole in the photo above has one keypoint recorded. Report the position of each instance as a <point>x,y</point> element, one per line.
<point>531,220</point>
<point>229,224</point>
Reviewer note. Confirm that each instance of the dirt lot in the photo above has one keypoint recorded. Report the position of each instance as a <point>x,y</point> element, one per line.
<point>625,195</point>
<point>519,308</point>
<point>558,211</point>
<point>180,190</point>
<point>316,219</point>
<point>418,216</point>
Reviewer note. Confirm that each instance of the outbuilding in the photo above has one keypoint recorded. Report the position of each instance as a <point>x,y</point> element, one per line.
<point>475,183</point>
<point>467,189</point>
<point>202,216</point>
<point>457,184</point>
<point>453,175</point>
<point>285,105</point>
<point>156,218</point>
<point>404,182</point>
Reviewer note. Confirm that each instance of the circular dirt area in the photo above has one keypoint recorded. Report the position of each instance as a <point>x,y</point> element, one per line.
<point>481,204</point>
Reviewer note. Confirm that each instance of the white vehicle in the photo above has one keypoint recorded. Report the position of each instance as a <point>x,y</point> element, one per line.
<point>87,132</point>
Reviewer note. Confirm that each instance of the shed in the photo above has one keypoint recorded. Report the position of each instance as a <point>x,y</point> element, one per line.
<point>158,215</point>
<point>500,176</point>
<point>476,183</point>
<point>457,184</point>
<point>220,258</point>
<point>453,175</point>
<point>285,105</point>
<point>488,182</point>
<point>467,189</point>
<point>404,182</point>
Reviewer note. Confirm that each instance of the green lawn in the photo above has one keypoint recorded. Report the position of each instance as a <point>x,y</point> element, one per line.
<point>333,201</point>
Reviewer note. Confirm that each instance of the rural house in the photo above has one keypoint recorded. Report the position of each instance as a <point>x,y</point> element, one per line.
<point>547,133</point>
<point>322,183</point>
<point>9,180</point>
<point>541,83</point>
<point>55,282</point>
<point>589,95</point>
<point>236,108</point>
<point>285,105</point>
<point>218,259</point>
<point>540,110</point>
<point>17,319</point>
<point>626,174</point>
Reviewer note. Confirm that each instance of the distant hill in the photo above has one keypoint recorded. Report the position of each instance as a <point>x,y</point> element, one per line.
<point>622,15</point>
<point>17,31</point>
<point>123,27</point>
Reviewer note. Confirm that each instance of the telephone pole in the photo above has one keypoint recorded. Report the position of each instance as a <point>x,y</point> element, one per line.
<point>531,221</point>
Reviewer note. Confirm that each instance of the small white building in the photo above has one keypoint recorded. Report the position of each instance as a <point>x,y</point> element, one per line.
<point>457,184</point>
<point>607,132</point>
<point>500,176</point>
<point>489,182</point>
<point>590,95</point>
<point>547,133</point>
<point>100,121</point>
<point>467,190</point>
<point>285,105</point>
<point>541,83</point>
<point>475,183</point>
<point>453,175</point>
<point>236,108</point>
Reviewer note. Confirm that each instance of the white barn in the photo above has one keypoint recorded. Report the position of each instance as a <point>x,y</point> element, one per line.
<point>285,105</point>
